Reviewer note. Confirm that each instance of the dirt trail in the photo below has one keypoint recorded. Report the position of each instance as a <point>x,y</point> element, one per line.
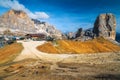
<point>30,51</point>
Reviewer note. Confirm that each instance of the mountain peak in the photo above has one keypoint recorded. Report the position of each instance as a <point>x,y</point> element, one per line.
<point>19,21</point>
<point>17,13</point>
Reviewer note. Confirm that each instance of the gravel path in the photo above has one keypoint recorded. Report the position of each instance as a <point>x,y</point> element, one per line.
<point>30,51</point>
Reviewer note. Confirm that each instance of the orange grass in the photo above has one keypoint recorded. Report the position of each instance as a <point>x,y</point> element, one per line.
<point>48,48</point>
<point>98,45</point>
<point>9,52</point>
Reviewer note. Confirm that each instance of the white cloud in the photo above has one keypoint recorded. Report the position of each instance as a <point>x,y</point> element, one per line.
<point>14,4</point>
<point>38,15</point>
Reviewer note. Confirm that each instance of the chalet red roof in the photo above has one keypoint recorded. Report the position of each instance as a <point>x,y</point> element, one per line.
<point>36,35</point>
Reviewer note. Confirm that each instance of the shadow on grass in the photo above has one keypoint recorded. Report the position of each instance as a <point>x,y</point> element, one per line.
<point>108,77</point>
<point>1,79</point>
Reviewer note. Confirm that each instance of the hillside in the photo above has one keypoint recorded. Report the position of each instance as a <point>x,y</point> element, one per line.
<point>98,45</point>
<point>9,52</point>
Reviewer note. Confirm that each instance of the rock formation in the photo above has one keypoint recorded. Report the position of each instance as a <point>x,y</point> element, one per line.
<point>105,25</point>
<point>50,30</point>
<point>83,35</point>
<point>79,32</point>
<point>19,22</point>
<point>70,35</point>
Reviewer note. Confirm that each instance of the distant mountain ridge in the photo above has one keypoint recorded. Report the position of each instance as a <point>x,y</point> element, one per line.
<point>18,21</point>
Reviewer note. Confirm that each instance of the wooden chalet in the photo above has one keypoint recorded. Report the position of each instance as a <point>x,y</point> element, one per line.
<point>36,36</point>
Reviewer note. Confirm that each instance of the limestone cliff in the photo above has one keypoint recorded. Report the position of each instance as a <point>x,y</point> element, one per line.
<point>19,22</point>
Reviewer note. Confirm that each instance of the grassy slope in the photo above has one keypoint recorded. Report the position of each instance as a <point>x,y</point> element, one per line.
<point>9,52</point>
<point>91,46</point>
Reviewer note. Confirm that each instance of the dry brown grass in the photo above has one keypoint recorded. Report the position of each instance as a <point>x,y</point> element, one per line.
<point>9,52</point>
<point>48,47</point>
<point>92,46</point>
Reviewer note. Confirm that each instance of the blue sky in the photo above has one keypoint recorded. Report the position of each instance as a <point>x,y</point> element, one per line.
<point>68,15</point>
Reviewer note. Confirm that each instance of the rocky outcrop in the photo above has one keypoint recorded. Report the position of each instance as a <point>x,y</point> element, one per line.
<point>79,32</point>
<point>105,25</point>
<point>64,36</point>
<point>48,29</point>
<point>83,35</point>
<point>70,35</point>
<point>19,22</point>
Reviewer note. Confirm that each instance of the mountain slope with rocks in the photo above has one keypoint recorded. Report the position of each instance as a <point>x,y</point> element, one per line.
<point>19,22</point>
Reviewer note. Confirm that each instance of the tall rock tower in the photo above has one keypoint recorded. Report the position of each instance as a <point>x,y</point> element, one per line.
<point>105,25</point>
